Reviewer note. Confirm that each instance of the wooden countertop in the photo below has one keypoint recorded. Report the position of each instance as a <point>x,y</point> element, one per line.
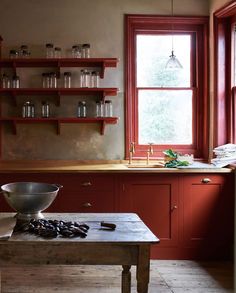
<point>38,166</point>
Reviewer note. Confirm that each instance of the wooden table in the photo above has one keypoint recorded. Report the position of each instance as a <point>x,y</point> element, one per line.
<point>128,245</point>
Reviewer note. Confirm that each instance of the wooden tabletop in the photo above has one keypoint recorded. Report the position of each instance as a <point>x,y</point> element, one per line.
<point>129,229</point>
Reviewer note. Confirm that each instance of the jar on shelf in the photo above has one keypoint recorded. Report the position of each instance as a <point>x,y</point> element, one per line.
<point>15,82</point>
<point>82,109</point>
<point>108,108</point>
<point>95,78</point>
<point>76,51</point>
<point>86,51</point>
<point>67,80</point>
<point>87,78</point>
<point>57,52</point>
<point>13,54</point>
<point>49,50</point>
<point>99,109</point>
<point>45,109</point>
<point>28,110</point>
<point>24,52</point>
<point>53,80</point>
<point>82,78</point>
<point>5,81</point>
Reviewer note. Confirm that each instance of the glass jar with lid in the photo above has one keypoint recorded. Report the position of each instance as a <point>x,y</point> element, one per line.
<point>45,110</point>
<point>67,80</point>
<point>49,50</point>
<point>15,81</point>
<point>108,108</point>
<point>86,51</point>
<point>5,82</point>
<point>99,109</point>
<point>95,78</point>
<point>57,52</point>
<point>82,109</point>
<point>13,54</point>
<point>24,51</point>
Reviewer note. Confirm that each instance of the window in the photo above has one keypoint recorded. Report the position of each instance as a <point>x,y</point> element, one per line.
<point>166,107</point>
<point>224,79</point>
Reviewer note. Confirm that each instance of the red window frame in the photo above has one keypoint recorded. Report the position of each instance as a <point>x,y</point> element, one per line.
<point>224,91</point>
<point>198,28</point>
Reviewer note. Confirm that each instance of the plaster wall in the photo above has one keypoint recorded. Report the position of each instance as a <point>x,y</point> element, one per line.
<point>64,23</point>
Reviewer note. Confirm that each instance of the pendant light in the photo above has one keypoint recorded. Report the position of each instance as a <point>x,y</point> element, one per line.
<point>173,62</point>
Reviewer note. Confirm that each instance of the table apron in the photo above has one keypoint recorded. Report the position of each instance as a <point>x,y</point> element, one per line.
<point>15,253</point>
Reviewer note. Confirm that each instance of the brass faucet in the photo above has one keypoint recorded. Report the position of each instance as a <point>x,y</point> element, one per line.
<point>149,152</point>
<point>131,152</point>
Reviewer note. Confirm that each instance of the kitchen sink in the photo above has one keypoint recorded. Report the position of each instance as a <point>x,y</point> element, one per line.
<point>157,165</point>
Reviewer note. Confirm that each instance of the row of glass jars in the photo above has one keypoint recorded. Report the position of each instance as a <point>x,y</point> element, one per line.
<point>77,51</point>
<point>103,109</point>
<point>28,110</point>
<point>10,82</point>
<point>87,78</point>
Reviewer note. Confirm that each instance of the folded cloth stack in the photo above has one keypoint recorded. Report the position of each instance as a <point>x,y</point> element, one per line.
<point>225,155</point>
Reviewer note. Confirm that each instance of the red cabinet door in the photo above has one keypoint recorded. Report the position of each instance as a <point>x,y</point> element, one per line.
<point>208,214</point>
<point>155,199</point>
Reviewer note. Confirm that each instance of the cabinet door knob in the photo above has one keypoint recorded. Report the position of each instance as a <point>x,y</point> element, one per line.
<point>87,205</point>
<point>174,208</point>
<point>206,180</point>
<point>86,183</point>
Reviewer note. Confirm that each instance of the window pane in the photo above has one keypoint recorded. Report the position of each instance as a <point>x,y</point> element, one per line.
<point>153,53</point>
<point>165,117</point>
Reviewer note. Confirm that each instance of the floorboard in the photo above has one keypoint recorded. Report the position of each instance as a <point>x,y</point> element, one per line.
<point>166,276</point>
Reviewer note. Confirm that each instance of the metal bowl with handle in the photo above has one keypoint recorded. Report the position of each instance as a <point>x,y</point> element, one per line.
<point>29,199</point>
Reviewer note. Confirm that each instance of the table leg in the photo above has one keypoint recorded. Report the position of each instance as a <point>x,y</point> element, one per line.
<point>126,279</point>
<point>143,267</point>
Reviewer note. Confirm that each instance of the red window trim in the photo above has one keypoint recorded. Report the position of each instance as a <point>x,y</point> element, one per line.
<point>224,108</point>
<point>197,25</point>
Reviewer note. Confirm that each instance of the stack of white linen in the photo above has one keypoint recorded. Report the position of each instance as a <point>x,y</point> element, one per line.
<point>225,155</point>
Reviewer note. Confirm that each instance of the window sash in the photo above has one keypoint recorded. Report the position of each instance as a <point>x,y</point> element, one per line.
<point>198,27</point>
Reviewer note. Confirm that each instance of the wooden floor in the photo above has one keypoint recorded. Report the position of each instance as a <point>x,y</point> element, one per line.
<point>166,277</point>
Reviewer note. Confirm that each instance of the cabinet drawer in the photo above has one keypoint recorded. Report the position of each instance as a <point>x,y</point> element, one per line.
<point>86,183</point>
<point>205,179</point>
<point>99,202</point>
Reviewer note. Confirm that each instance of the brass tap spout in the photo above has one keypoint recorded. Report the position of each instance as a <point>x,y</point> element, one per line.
<point>131,152</point>
<point>149,152</point>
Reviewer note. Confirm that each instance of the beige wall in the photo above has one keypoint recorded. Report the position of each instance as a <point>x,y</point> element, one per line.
<point>63,22</point>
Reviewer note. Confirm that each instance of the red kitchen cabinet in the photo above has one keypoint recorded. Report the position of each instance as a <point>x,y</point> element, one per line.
<point>86,193</point>
<point>208,216</point>
<point>155,199</point>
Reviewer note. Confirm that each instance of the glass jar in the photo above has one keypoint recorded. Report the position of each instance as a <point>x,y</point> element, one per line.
<point>5,81</point>
<point>49,50</point>
<point>99,109</point>
<point>15,82</point>
<point>57,52</point>
<point>24,52</point>
<point>13,54</point>
<point>86,51</point>
<point>53,80</point>
<point>108,108</point>
<point>95,78</point>
<point>67,80</point>
<point>82,78</point>
<point>82,109</point>
<point>28,110</point>
<point>45,110</point>
<point>87,78</point>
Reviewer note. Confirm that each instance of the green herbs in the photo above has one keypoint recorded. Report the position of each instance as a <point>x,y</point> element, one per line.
<point>171,159</point>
